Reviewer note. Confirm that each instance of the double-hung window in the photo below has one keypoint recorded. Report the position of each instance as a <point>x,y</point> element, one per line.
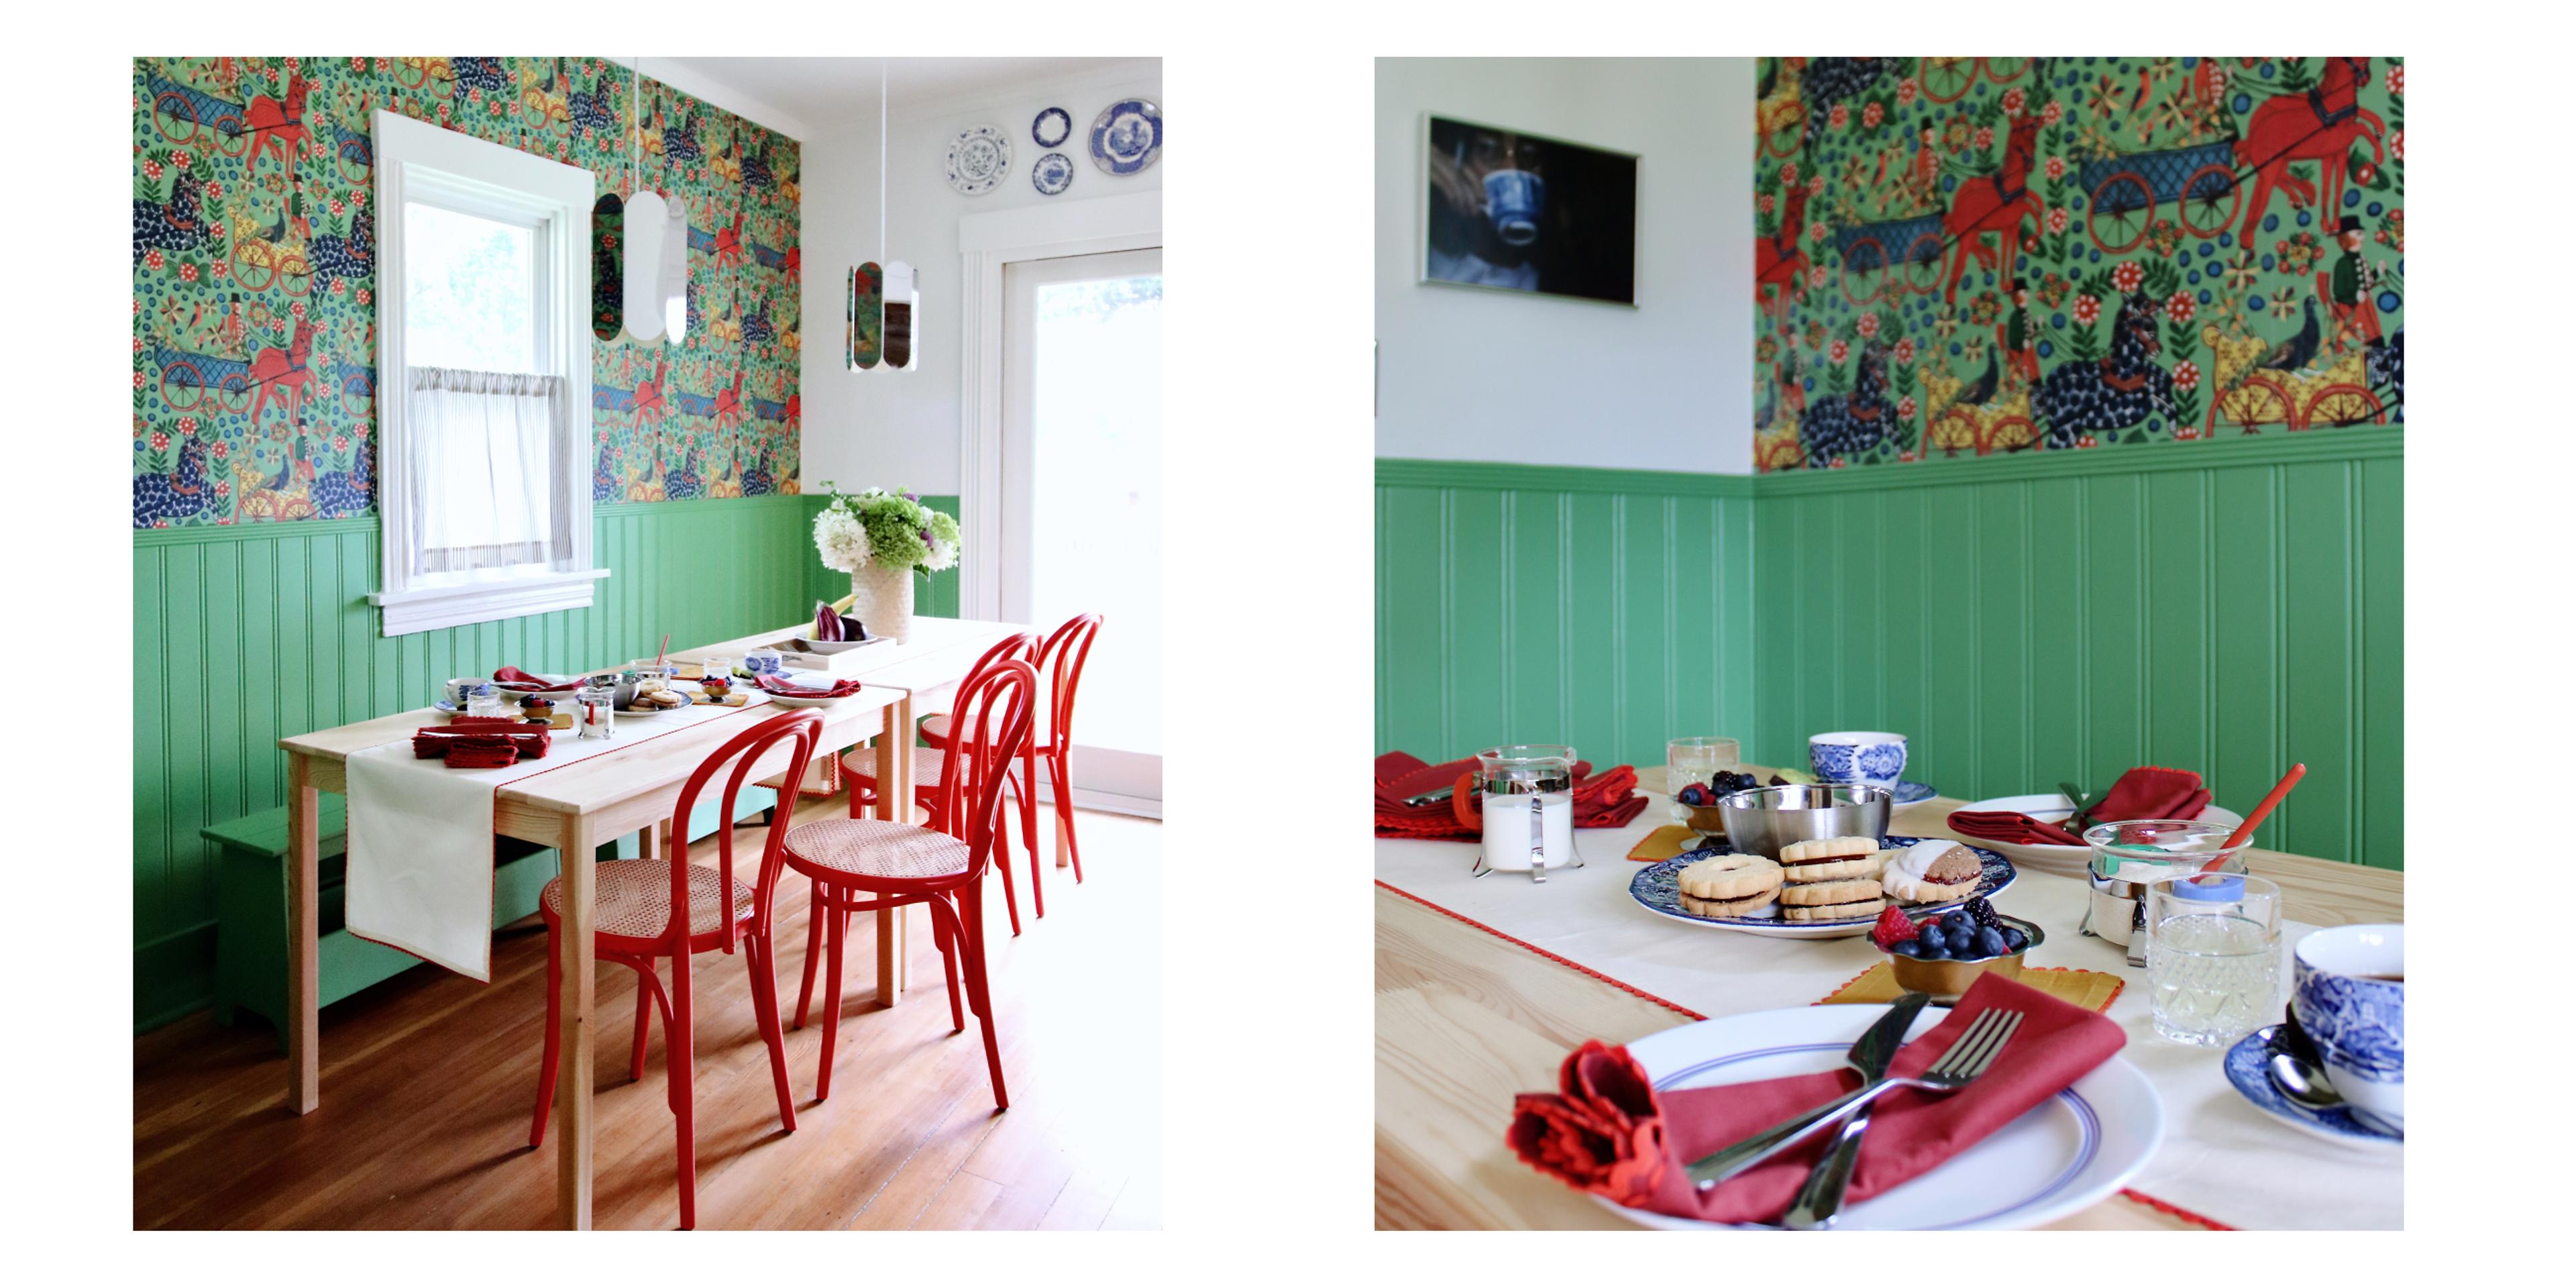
<point>482,294</point>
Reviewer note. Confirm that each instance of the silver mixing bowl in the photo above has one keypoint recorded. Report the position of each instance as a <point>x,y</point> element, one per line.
<point>1764,820</point>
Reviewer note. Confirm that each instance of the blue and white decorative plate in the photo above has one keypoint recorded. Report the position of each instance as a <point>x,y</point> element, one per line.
<point>2061,1156</point>
<point>1052,128</point>
<point>1908,793</point>
<point>1658,890</point>
<point>977,159</point>
<point>1052,173</point>
<point>2245,1072</point>
<point>1128,136</point>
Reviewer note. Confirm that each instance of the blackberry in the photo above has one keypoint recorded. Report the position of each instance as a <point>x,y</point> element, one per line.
<point>1984,914</point>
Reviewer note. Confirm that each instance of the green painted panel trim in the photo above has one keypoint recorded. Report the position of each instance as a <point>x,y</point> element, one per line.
<point>1493,476</point>
<point>2360,442</point>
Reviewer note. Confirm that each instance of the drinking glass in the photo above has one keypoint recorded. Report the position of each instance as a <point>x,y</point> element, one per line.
<point>2213,955</point>
<point>1696,760</point>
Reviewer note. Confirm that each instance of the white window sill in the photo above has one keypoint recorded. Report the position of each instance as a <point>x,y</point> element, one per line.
<point>430,608</point>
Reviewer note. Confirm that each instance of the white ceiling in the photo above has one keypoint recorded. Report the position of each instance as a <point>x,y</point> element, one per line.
<point>805,97</point>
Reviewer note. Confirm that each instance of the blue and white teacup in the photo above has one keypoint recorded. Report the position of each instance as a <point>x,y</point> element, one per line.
<point>1871,759</point>
<point>2349,993</point>
<point>1514,200</point>
<point>458,690</point>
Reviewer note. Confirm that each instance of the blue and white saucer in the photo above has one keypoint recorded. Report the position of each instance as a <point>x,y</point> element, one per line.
<point>2246,1073</point>
<point>1127,136</point>
<point>1657,889</point>
<point>1052,173</point>
<point>1908,793</point>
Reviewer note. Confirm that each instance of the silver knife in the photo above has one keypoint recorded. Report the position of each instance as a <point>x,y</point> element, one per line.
<point>1820,1200</point>
<point>1870,1056</point>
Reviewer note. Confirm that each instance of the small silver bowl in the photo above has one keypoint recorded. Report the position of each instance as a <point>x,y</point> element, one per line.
<point>1765,820</point>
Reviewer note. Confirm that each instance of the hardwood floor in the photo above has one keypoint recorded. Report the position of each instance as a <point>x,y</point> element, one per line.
<point>428,1080</point>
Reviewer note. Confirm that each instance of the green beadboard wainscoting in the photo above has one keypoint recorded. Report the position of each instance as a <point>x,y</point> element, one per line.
<point>2230,606</point>
<point>247,634</point>
<point>1608,609</point>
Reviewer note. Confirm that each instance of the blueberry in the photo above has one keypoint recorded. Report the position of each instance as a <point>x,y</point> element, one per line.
<point>1907,948</point>
<point>1990,942</point>
<point>1931,949</point>
<point>2014,940</point>
<point>1955,921</point>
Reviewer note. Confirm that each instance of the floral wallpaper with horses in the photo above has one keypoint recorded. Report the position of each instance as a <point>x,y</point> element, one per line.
<point>1964,256</point>
<point>254,274</point>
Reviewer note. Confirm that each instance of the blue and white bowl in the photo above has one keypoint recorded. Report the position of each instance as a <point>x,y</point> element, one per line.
<point>1873,759</point>
<point>2348,991</point>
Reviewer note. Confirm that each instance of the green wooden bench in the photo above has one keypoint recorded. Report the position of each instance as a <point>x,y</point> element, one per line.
<point>250,903</point>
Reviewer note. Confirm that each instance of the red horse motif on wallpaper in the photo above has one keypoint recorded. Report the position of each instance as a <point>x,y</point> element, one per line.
<point>2318,126</point>
<point>279,127</point>
<point>283,371</point>
<point>1779,262</point>
<point>1998,203</point>
<point>729,403</point>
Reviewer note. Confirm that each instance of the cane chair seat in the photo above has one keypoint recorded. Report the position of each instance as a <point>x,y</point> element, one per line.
<point>929,765</point>
<point>872,847</point>
<point>634,899</point>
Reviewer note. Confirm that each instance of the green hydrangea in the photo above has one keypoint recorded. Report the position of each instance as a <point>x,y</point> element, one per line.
<point>901,532</point>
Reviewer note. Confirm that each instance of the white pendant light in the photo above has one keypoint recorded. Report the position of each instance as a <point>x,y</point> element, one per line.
<point>656,293</point>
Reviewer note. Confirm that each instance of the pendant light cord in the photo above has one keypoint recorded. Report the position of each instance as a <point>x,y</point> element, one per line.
<point>881,167</point>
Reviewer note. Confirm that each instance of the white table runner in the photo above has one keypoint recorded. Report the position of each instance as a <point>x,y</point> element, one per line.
<point>2221,1157</point>
<point>420,838</point>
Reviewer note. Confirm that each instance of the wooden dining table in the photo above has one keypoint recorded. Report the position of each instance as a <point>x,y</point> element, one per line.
<point>633,789</point>
<point>1468,1014</point>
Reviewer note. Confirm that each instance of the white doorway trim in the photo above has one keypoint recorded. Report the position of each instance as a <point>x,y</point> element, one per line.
<point>986,243</point>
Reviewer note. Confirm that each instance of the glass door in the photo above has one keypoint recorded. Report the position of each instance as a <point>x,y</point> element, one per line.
<point>1082,492</point>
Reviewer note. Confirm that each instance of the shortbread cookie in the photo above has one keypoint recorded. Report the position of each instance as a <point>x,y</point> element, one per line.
<point>1839,847</point>
<point>1821,893</point>
<point>1833,912</point>
<point>1865,865</point>
<point>1765,904</point>
<point>1729,877</point>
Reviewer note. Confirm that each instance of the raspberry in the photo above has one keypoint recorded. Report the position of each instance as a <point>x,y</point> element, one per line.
<point>1893,928</point>
<point>1984,914</point>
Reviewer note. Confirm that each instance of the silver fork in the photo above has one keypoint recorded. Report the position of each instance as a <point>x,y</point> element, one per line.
<point>1965,1061</point>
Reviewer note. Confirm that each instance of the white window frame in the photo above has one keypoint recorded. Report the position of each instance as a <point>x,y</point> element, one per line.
<point>986,244</point>
<point>416,160</point>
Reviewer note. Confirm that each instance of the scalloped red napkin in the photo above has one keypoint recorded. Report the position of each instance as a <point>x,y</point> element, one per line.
<point>1607,1131</point>
<point>839,689</point>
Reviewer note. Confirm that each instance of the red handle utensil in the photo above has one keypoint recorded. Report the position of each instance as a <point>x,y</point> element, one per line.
<point>2245,830</point>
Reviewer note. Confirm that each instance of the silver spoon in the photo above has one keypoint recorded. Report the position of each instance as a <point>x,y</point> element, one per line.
<point>2303,1083</point>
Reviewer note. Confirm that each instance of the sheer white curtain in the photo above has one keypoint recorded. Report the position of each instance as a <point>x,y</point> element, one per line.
<point>482,447</point>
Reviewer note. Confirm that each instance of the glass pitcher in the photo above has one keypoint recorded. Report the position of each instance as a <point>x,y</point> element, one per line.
<point>1528,808</point>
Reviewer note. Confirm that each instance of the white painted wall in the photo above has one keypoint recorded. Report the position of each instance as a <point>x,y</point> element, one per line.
<point>1478,375</point>
<point>900,429</point>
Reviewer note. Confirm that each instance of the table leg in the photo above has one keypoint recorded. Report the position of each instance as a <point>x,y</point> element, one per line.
<point>894,801</point>
<point>573,1078</point>
<point>303,937</point>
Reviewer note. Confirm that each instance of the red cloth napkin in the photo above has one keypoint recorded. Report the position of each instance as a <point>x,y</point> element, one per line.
<point>481,738</point>
<point>2152,792</point>
<point>1607,799</point>
<point>1608,1132</point>
<point>518,681</point>
<point>2010,828</point>
<point>840,688</point>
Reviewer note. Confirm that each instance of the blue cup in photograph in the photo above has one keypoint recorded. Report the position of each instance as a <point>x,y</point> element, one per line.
<point>1869,759</point>
<point>1514,199</point>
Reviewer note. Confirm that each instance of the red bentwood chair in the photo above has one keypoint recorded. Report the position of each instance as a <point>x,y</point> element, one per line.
<point>1060,659</point>
<point>640,916</point>
<point>859,765</point>
<point>866,864</point>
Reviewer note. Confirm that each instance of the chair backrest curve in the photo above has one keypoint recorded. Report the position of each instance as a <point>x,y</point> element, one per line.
<point>798,730</point>
<point>989,728</point>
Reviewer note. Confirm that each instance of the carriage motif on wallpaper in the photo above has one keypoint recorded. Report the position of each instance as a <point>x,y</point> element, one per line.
<point>1963,256</point>
<point>254,378</point>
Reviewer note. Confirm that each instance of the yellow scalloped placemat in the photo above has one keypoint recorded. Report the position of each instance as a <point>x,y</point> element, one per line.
<point>2091,989</point>
<point>1665,842</point>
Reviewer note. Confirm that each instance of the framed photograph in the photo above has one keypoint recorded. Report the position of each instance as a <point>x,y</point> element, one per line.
<point>1507,210</point>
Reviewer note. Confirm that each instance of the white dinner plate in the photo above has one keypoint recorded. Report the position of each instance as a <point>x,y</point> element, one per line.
<point>786,701</point>
<point>2053,807</point>
<point>2068,1153</point>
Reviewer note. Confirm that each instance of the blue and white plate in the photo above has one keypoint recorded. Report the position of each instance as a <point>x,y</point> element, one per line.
<point>1128,136</point>
<point>688,700</point>
<point>1052,128</point>
<point>1052,173</point>
<point>1658,890</point>
<point>1908,793</point>
<point>2063,1155</point>
<point>2245,1072</point>
<point>977,159</point>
